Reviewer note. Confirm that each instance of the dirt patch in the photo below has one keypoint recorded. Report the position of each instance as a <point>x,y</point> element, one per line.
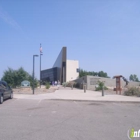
<point>42,90</point>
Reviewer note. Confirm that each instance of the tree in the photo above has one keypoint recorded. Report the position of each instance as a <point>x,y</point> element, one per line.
<point>84,73</point>
<point>133,77</point>
<point>30,79</point>
<point>21,75</point>
<point>15,77</point>
<point>102,74</point>
<point>9,77</point>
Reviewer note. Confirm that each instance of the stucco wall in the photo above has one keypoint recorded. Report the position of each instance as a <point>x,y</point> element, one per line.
<point>81,80</point>
<point>91,82</point>
<point>71,70</point>
<point>110,83</point>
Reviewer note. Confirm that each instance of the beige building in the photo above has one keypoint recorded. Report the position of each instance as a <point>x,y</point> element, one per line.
<point>72,70</point>
<point>63,70</point>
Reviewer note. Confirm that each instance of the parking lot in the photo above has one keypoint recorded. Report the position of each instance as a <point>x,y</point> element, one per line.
<point>25,119</point>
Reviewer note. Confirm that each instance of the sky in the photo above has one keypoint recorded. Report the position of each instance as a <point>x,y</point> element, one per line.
<point>101,34</point>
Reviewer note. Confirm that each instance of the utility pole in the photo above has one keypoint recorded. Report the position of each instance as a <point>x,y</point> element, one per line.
<point>33,70</point>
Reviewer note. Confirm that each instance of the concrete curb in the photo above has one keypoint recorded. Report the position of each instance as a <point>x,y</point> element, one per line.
<point>94,101</point>
<point>76,100</point>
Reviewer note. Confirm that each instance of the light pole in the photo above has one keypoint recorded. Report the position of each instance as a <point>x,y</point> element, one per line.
<point>41,53</point>
<point>33,69</point>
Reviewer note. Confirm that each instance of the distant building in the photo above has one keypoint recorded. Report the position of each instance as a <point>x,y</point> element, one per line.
<point>92,82</point>
<point>63,70</point>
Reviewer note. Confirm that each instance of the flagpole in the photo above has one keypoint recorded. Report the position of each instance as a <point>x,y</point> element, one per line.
<point>40,63</point>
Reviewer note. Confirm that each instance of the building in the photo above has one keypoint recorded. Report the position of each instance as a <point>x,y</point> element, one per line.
<point>63,70</point>
<point>92,81</point>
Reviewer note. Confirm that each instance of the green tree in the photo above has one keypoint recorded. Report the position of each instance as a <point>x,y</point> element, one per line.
<point>21,75</point>
<point>84,73</point>
<point>30,79</point>
<point>133,77</point>
<point>15,77</point>
<point>102,74</point>
<point>9,77</point>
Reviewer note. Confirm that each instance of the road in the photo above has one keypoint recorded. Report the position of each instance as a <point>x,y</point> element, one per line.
<point>23,119</point>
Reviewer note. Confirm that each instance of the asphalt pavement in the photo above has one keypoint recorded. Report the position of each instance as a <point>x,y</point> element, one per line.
<point>68,114</point>
<point>27,119</point>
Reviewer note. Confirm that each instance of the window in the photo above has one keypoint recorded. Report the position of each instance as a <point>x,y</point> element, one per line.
<point>77,70</point>
<point>2,85</point>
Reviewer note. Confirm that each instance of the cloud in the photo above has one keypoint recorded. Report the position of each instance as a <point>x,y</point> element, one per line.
<point>9,20</point>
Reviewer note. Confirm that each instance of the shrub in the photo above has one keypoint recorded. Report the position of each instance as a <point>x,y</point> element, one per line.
<point>71,83</point>
<point>101,85</point>
<point>64,84</point>
<point>35,81</point>
<point>47,85</point>
<point>133,91</point>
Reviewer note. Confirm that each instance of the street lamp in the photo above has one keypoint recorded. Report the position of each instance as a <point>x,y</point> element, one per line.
<point>41,53</point>
<point>33,69</point>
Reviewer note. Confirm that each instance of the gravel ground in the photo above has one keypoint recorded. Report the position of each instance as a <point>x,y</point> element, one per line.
<point>52,89</point>
<point>37,90</point>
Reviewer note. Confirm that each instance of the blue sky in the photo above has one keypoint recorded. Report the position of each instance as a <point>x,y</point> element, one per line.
<point>101,34</point>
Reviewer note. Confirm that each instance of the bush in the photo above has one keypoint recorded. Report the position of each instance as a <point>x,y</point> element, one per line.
<point>64,84</point>
<point>133,91</point>
<point>101,85</point>
<point>47,85</point>
<point>99,88</point>
<point>71,83</point>
<point>35,81</point>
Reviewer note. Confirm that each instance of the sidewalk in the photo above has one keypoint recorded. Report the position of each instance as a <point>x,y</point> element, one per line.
<point>78,95</point>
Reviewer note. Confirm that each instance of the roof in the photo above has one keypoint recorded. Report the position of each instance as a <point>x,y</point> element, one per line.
<point>118,76</point>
